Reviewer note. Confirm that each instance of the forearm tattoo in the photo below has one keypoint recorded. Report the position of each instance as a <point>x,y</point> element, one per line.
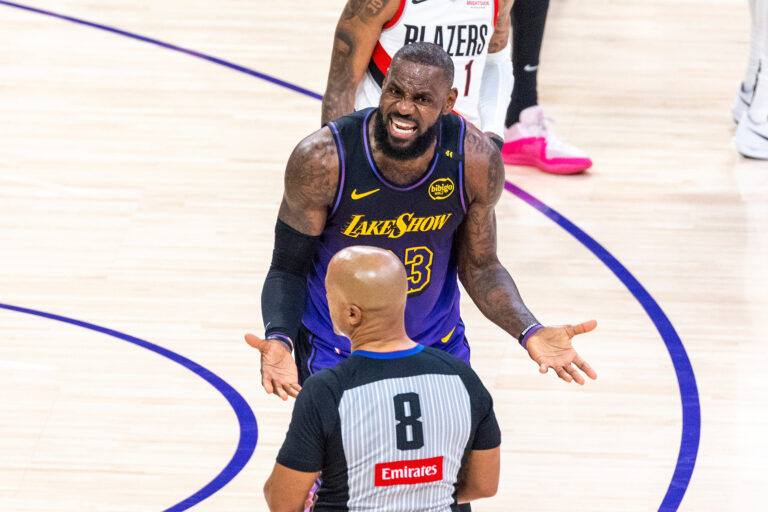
<point>339,96</point>
<point>486,280</point>
<point>495,294</point>
<point>363,9</point>
<point>500,36</point>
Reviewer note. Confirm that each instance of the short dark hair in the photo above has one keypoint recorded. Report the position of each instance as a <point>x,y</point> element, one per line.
<point>429,54</point>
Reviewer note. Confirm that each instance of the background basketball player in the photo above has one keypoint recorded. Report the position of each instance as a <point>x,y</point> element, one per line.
<point>750,109</point>
<point>370,32</point>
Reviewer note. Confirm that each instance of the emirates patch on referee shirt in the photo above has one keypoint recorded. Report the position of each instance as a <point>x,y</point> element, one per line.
<point>408,472</point>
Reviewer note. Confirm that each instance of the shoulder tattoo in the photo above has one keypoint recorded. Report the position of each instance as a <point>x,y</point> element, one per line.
<point>487,166</point>
<point>312,172</point>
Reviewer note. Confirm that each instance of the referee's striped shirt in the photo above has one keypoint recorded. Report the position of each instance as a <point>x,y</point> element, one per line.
<point>389,431</point>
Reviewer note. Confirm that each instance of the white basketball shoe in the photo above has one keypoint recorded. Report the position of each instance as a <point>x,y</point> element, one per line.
<point>741,103</point>
<point>751,137</point>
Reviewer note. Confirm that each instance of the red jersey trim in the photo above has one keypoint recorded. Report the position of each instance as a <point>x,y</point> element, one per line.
<point>391,23</point>
<point>495,12</point>
<point>379,65</point>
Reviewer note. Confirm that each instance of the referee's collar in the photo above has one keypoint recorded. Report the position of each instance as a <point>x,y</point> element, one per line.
<point>389,355</point>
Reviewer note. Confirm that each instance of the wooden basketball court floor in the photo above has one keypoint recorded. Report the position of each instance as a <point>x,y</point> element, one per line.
<point>138,191</point>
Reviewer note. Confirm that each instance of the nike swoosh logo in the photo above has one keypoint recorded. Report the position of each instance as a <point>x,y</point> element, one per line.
<point>445,340</point>
<point>530,68</point>
<point>418,1</point>
<point>356,196</point>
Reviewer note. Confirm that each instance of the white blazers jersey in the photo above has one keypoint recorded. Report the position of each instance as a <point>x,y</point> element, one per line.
<point>462,27</point>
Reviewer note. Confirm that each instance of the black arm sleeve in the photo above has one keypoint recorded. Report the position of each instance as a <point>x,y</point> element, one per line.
<point>285,289</point>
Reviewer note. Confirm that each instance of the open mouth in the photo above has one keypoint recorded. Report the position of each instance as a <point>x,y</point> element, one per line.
<point>402,129</point>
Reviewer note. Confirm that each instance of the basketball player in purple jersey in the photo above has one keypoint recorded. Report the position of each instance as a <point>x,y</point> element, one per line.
<point>413,178</point>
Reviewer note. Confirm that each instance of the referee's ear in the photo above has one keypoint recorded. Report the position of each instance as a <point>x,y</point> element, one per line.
<point>354,316</point>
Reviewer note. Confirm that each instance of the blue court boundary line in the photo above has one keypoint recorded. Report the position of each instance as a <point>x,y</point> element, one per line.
<point>689,395</point>
<point>169,46</point>
<point>248,427</point>
<point>686,380</point>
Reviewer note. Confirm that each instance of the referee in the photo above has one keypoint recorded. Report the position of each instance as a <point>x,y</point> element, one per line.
<point>395,427</point>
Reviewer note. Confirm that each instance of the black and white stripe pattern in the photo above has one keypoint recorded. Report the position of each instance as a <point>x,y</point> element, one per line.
<point>368,429</point>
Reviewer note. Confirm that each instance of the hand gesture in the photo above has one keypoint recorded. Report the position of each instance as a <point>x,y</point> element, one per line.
<point>551,347</point>
<point>278,371</point>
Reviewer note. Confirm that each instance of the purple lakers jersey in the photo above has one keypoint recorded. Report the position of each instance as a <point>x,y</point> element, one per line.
<point>417,222</point>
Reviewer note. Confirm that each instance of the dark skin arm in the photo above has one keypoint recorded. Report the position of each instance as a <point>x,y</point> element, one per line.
<point>484,277</point>
<point>311,177</point>
<point>357,32</point>
<point>486,280</point>
<point>480,475</point>
<point>500,35</point>
<point>287,490</point>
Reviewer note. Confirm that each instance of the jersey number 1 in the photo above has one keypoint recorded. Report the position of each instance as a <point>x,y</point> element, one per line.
<point>410,434</point>
<point>468,69</point>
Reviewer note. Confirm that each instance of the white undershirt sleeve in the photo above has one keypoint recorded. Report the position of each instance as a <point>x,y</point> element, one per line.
<point>495,91</point>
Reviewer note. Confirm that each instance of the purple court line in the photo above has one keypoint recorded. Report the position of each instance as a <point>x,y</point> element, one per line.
<point>689,444</point>
<point>168,46</point>
<point>686,380</point>
<point>248,428</point>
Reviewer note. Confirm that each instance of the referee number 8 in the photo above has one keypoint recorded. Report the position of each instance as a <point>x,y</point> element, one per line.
<point>410,434</point>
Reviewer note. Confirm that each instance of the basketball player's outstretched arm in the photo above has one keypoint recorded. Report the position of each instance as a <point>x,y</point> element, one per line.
<point>311,176</point>
<point>486,280</point>
<point>357,32</point>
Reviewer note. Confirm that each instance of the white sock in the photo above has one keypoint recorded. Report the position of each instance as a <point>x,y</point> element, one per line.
<point>756,40</point>
<point>758,110</point>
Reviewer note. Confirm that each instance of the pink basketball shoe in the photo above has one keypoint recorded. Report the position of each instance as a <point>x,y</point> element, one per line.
<point>530,142</point>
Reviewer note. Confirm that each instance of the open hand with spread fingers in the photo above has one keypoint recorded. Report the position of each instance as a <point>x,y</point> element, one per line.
<point>278,371</point>
<point>551,347</point>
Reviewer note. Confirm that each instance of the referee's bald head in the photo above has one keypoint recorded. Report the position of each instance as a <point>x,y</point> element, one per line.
<point>365,286</point>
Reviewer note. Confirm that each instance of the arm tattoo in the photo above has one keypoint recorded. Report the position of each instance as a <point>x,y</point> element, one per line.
<point>496,173</point>
<point>311,178</point>
<point>339,96</point>
<point>486,280</point>
<point>475,142</point>
<point>479,145</point>
<point>358,20</point>
<point>363,9</point>
<point>500,35</point>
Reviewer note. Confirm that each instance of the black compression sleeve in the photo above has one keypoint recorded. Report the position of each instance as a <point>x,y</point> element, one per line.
<point>285,289</point>
<point>528,20</point>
